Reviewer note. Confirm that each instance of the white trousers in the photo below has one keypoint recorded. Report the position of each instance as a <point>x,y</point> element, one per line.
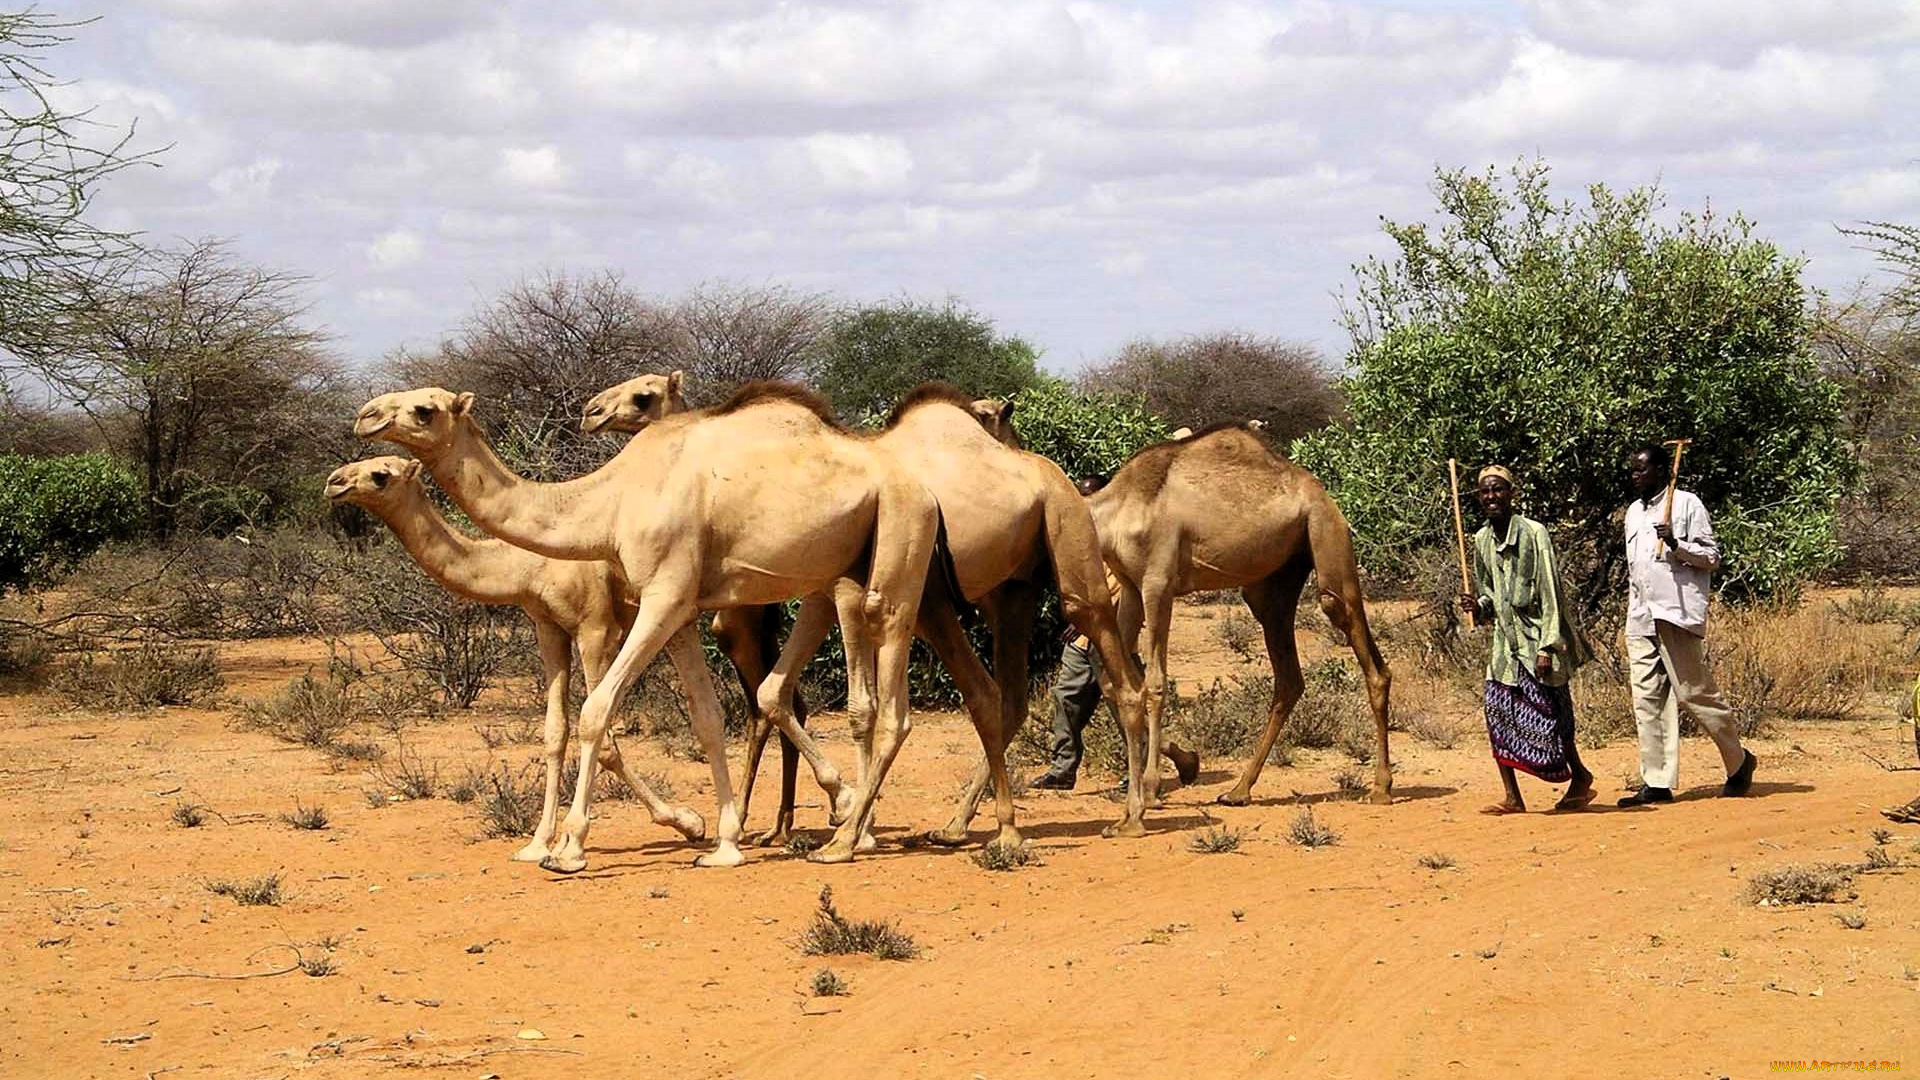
<point>1669,673</point>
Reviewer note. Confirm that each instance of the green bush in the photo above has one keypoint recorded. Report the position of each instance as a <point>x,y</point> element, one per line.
<point>872,356</point>
<point>1554,338</point>
<point>56,511</point>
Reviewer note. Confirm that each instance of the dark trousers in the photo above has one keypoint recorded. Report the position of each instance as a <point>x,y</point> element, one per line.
<point>1076,695</point>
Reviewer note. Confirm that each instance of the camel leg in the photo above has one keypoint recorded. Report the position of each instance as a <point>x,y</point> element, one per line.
<point>556,664</point>
<point>857,644</point>
<point>709,725</point>
<point>907,522</point>
<point>1273,601</point>
<point>1348,613</point>
<point>986,705</point>
<point>1009,610</point>
<point>810,628</point>
<point>1156,597</point>
<point>598,646</point>
<point>747,635</point>
<point>663,613</point>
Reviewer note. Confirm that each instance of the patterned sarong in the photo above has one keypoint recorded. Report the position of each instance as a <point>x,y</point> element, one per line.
<point>1531,727</point>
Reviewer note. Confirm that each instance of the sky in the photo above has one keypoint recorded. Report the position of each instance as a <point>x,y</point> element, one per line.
<point>1085,174</point>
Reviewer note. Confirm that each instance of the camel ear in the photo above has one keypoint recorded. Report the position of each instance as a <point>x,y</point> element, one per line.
<point>410,470</point>
<point>1006,411</point>
<point>463,404</point>
<point>673,382</point>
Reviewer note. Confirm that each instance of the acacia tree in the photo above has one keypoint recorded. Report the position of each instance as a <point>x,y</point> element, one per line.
<point>873,355</point>
<point>725,335</point>
<point>1553,338</point>
<point>537,353</point>
<point>1209,378</point>
<point>200,370</point>
<point>52,160</point>
<point>1870,345</point>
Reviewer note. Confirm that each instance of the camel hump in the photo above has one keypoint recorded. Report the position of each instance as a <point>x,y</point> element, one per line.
<point>777,391</point>
<point>930,393</point>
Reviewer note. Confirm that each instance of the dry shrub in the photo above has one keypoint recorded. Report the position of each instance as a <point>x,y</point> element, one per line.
<point>831,934</point>
<point>250,892</point>
<point>1433,728</point>
<point>1813,883</point>
<point>827,984</point>
<point>1805,664</point>
<point>1033,740</point>
<point>457,646</point>
<point>1215,840</point>
<point>306,818</point>
<point>144,677</point>
<point>409,775</point>
<point>1222,720</point>
<point>1602,705</point>
<point>1005,857</point>
<point>318,712</point>
<point>510,801</point>
<point>1241,634</point>
<point>24,656</point>
<point>1308,832</point>
<point>1335,702</point>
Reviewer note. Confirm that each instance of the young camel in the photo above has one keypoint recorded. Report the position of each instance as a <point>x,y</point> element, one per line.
<point>570,603</point>
<point>1014,523</point>
<point>1216,510</point>
<point>756,501</point>
<point>748,635</point>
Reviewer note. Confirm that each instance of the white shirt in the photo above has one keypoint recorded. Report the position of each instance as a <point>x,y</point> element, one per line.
<point>1671,586</point>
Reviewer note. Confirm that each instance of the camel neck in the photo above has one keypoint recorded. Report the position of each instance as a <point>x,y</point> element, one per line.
<point>562,521</point>
<point>482,570</point>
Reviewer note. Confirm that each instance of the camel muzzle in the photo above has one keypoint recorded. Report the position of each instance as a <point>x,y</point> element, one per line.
<point>367,425</point>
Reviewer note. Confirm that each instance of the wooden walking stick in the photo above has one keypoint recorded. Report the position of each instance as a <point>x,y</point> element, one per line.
<point>1666,518</point>
<point>1460,541</point>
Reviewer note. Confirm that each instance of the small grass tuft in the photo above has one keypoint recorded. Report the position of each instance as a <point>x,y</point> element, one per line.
<point>1005,857</point>
<point>826,983</point>
<point>1350,782</point>
<point>320,966</point>
<point>250,892</point>
<point>1308,832</point>
<point>1215,840</point>
<point>308,818</point>
<point>510,803</point>
<point>1882,837</point>
<point>1877,858</point>
<point>409,775</point>
<point>831,934</point>
<point>802,843</point>
<point>1812,883</point>
<point>189,815</point>
<point>1437,860</point>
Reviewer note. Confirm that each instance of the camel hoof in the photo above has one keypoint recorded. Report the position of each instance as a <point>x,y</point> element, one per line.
<point>1127,829</point>
<point>1186,764</point>
<point>559,864</point>
<point>1008,837</point>
<point>866,843</point>
<point>724,855</point>
<point>690,824</point>
<point>834,852</point>
<point>948,837</point>
<point>1380,798</point>
<point>534,852</point>
<point>1155,802</point>
<point>1236,797</point>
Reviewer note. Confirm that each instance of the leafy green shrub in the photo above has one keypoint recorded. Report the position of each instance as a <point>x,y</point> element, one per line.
<point>56,511</point>
<point>1554,338</point>
<point>873,355</point>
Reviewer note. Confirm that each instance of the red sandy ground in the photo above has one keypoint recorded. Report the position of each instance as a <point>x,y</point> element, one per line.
<point>1606,943</point>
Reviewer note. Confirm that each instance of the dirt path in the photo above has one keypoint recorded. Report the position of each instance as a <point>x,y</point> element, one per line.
<point>1610,941</point>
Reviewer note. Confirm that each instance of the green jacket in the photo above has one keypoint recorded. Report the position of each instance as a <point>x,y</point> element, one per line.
<point>1517,581</point>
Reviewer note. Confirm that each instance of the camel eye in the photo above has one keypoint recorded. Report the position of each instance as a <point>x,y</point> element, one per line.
<point>643,400</point>
<point>423,413</point>
<point>380,479</point>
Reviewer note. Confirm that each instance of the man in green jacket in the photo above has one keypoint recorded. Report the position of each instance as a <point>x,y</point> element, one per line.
<point>1535,649</point>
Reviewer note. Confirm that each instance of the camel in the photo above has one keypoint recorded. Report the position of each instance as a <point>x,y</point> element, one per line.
<point>570,603</point>
<point>758,500</point>
<point>1014,521</point>
<point>1220,509</point>
<point>749,636</point>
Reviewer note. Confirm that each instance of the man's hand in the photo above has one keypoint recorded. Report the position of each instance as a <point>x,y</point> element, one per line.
<point>1664,531</point>
<point>1542,666</point>
<point>1469,605</point>
<point>1070,634</point>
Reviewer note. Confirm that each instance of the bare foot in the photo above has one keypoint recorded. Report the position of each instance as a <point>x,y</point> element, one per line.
<point>1501,809</point>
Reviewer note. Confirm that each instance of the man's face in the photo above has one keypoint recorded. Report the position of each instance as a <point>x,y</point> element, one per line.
<point>1640,471</point>
<point>1496,496</point>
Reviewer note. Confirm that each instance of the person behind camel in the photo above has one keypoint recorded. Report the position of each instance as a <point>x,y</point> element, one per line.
<point>1535,649</point>
<point>1669,577</point>
<point>1076,690</point>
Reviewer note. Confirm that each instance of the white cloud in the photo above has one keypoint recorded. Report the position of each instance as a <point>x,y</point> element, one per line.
<point>533,166</point>
<point>1885,192</point>
<point>246,183</point>
<point>859,163</point>
<point>395,250</point>
<point>1723,29</point>
<point>369,22</point>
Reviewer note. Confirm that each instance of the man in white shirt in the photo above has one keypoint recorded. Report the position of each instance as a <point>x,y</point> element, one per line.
<point>1669,573</point>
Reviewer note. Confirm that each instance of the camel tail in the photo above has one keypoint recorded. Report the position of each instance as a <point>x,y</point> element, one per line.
<point>948,575</point>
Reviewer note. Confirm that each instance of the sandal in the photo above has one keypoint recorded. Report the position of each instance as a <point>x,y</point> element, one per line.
<point>1501,809</point>
<point>1577,802</point>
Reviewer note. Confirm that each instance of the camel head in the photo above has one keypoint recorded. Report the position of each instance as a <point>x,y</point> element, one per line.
<point>634,404</point>
<point>369,482</point>
<point>996,415</point>
<point>416,419</point>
